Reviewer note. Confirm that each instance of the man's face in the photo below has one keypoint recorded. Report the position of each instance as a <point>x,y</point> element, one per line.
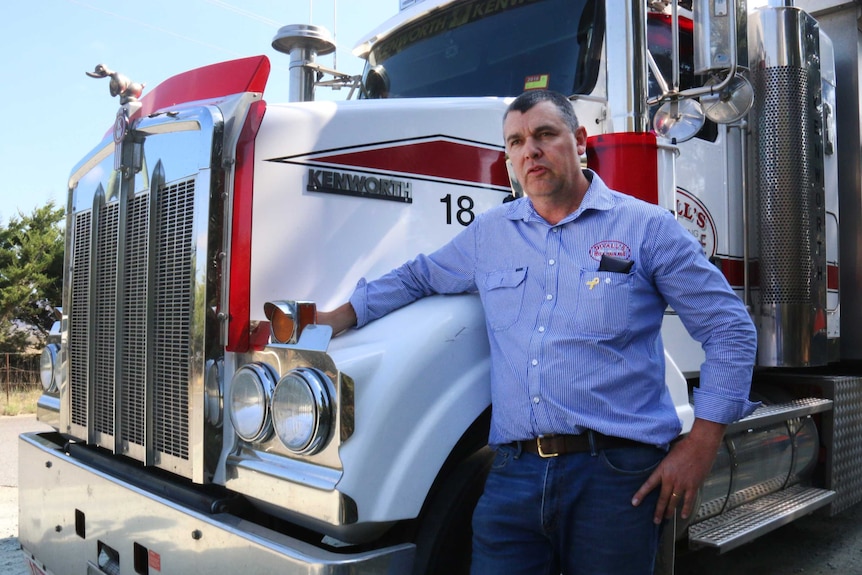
<point>544,152</point>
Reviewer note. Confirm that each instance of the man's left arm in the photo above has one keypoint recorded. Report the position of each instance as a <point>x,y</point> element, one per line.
<point>714,316</point>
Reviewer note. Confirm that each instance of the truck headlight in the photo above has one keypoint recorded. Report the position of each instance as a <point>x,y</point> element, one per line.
<point>250,392</point>
<point>302,410</point>
<point>47,367</point>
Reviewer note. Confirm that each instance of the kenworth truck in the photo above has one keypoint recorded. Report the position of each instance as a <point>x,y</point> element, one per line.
<point>204,423</point>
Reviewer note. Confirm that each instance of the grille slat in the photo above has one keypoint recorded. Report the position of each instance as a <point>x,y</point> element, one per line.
<point>105,340</point>
<point>79,332</point>
<point>171,333</point>
<point>134,367</point>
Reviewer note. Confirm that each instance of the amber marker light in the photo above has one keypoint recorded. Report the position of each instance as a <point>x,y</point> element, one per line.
<point>288,318</point>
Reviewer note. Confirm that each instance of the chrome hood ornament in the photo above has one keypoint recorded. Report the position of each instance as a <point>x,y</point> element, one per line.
<point>120,85</point>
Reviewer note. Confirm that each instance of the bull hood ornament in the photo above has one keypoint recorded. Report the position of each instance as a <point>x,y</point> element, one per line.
<point>120,85</point>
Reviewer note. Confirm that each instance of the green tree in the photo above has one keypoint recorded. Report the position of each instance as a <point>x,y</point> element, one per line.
<point>31,276</point>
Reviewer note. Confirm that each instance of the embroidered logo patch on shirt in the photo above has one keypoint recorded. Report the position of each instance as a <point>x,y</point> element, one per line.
<point>614,248</point>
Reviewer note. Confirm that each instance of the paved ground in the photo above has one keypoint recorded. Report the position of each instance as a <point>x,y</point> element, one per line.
<point>814,545</point>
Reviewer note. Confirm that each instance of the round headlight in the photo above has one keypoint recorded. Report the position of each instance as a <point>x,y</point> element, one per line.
<point>302,410</point>
<point>250,391</point>
<point>47,366</point>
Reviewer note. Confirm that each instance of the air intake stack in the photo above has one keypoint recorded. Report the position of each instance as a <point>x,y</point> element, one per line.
<point>303,43</point>
<point>788,203</point>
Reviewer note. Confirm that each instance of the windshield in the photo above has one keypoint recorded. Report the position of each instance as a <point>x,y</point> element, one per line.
<point>491,48</point>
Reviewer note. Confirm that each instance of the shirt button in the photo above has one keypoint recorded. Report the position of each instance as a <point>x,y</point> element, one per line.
<point>535,362</point>
<point>537,399</point>
<point>549,297</point>
<point>541,329</point>
<point>551,262</point>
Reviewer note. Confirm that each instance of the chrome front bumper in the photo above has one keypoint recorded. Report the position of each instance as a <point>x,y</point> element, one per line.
<point>70,514</point>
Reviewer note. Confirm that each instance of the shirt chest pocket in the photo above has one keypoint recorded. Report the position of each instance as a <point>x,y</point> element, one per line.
<point>504,294</point>
<point>603,303</point>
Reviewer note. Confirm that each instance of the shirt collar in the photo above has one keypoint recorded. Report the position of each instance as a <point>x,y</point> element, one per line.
<point>598,197</point>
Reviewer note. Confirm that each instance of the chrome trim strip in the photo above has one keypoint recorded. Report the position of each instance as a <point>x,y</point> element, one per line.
<point>262,477</point>
<point>95,158</point>
<point>157,182</point>
<point>48,410</point>
<point>127,191</point>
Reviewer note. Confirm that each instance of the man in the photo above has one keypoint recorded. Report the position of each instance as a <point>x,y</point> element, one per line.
<point>577,359</point>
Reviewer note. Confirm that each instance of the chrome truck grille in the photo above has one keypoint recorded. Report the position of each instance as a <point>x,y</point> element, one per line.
<point>143,287</point>
<point>144,234</point>
<point>130,349</point>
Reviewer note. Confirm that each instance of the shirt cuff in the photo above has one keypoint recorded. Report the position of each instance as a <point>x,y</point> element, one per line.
<point>721,409</point>
<point>359,301</point>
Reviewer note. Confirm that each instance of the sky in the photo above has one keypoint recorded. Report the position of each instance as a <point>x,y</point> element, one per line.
<point>53,114</point>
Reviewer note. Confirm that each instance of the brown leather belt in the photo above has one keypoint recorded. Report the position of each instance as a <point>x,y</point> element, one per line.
<point>554,445</point>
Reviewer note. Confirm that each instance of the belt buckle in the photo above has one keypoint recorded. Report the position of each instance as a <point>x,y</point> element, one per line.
<point>541,451</point>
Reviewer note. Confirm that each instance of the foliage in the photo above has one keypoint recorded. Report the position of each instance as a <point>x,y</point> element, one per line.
<point>31,276</point>
<point>19,400</point>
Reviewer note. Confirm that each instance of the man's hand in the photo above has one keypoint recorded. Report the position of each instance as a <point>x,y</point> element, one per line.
<point>683,471</point>
<point>340,319</point>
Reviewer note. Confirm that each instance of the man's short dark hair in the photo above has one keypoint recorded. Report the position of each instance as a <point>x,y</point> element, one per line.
<point>532,97</point>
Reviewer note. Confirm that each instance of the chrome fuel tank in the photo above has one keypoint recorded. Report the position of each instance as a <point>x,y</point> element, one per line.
<point>757,462</point>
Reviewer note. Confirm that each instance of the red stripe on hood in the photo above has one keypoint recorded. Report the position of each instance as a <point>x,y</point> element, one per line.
<point>437,158</point>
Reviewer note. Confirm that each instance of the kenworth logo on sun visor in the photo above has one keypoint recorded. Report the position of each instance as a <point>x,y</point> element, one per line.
<point>361,185</point>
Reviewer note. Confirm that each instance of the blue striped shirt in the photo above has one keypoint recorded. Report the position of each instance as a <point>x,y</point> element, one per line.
<point>575,348</point>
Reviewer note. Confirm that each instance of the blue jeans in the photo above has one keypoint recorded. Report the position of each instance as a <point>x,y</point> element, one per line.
<point>570,514</point>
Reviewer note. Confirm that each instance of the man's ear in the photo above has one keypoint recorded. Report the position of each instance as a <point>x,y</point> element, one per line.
<point>581,139</point>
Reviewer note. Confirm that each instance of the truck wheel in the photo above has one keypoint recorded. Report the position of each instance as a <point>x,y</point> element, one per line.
<point>444,539</point>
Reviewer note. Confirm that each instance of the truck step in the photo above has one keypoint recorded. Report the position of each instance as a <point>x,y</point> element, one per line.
<point>751,520</point>
<point>770,414</point>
